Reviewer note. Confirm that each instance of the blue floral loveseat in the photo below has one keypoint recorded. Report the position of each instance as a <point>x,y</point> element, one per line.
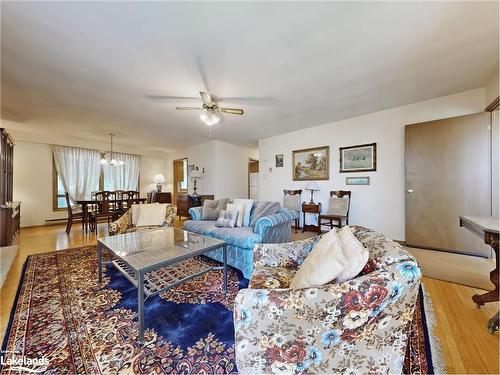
<point>273,228</point>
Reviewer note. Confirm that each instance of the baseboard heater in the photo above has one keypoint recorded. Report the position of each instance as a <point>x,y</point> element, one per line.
<point>57,221</point>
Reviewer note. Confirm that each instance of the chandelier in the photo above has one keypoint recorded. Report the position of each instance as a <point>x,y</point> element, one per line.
<point>113,162</point>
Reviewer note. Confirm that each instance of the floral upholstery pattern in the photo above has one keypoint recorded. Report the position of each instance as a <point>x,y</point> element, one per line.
<point>358,326</point>
<point>124,223</point>
<point>271,277</point>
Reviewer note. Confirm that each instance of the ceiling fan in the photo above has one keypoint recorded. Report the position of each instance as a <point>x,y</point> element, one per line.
<point>210,109</point>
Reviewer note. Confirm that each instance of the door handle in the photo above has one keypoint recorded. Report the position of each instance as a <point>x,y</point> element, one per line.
<point>409,191</point>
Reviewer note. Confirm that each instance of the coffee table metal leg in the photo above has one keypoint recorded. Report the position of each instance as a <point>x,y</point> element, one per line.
<point>99,261</point>
<point>225,267</point>
<point>140,305</point>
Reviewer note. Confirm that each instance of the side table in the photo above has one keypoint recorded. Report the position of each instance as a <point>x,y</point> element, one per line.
<point>311,208</point>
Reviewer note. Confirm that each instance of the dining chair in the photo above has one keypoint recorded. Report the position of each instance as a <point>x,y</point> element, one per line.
<point>338,210</point>
<point>127,200</point>
<point>104,207</point>
<point>291,201</point>
<point>73,214</point>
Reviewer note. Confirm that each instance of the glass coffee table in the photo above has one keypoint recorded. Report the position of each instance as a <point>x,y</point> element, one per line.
<point>156,260</point>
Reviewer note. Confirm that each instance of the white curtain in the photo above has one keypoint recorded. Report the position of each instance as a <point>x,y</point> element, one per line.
<point>78,169</point>
<point>122,177</point>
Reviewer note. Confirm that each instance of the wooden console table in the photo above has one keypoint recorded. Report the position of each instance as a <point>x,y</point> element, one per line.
<point>487,228</point>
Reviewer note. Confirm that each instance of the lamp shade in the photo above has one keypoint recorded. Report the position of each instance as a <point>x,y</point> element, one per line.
<point>159,179</point>
<point>195,173</point>
<point>312,186</point>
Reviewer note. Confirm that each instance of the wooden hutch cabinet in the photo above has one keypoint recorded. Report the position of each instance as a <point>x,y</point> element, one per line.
<point>10,212</point>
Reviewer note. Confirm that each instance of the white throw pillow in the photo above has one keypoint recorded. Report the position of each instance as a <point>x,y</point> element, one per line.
<point>356,254</point>
<point>151,215</point>
<point>135,212</point>
<point>240,212</point>
<point>248,203</point>
<point>323,264</point>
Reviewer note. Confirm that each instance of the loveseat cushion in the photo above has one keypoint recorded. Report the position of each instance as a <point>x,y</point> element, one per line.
<point>239,236</point>
<point>271,278</point>
<point>204,227</point>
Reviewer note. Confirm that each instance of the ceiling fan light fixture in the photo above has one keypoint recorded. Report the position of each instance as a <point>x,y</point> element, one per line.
<point>209,117</point>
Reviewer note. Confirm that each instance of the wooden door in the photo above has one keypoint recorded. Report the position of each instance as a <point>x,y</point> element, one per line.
<point>179,177</point>
<point>448,174</point>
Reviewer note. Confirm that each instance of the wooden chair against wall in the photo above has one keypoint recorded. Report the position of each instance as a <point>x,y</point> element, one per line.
<point>296,208</point>
<point>73,215</point>
<point>334,218</point>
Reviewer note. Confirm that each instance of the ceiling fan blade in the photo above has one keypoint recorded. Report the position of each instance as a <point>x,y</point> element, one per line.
<point>208,99</point>
<point>233,111</point>
<point>188,108</point>
<point>167,98</point>
<point>249,99</point>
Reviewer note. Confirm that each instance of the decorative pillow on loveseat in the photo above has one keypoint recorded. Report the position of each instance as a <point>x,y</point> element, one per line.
<point>227,218</point>
<point>212,208</point>
<point>338,256</point>
<point>355,253</point>
<point>261,209</point>
<point>323,264</point>
<point>151,215</point>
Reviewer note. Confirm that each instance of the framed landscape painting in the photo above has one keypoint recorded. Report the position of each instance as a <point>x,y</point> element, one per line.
<point>360,158</point>
<point>311,164</point>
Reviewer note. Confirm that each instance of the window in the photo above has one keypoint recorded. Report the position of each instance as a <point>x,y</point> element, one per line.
<point>184,182</point>
<point>123,177</point>
<point>59,199</point>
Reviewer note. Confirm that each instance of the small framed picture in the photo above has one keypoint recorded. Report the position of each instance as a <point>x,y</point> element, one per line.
<point>360,158</point>
<point>357,180</point>
<point>279,160</point>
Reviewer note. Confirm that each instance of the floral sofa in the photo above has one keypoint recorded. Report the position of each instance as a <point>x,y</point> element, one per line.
<point>273,228</point>
<point>358,326</point>
<point>124,223</point>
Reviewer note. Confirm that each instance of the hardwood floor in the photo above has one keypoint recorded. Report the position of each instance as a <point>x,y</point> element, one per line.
<point>466,345</point>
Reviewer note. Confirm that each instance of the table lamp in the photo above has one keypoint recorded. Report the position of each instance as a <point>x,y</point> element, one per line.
<point>159,179</point>
<point>313,186</point>
<point>195,174</point>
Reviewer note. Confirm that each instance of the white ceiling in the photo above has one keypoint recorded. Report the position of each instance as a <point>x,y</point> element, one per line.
<point>81,70</point>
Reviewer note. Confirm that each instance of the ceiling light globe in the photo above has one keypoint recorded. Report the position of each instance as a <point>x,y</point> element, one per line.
<point>209,117</point>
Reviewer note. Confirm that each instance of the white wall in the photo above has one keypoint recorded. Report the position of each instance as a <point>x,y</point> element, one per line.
<point>203,156</point>
<point>232,170</point>
<point>491,89</point>
<point>381,204</point>
<point>33,181</point>
<point>226,168</point>
<point>150,167</point>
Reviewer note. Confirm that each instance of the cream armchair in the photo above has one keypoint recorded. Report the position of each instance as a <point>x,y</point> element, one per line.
<point>355,326</point>
<point>124,223</point>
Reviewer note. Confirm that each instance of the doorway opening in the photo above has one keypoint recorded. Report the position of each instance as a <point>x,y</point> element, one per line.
<point>180,177</point>
<point>253,179</point>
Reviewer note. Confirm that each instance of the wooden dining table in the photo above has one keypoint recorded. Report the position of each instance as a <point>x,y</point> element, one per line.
<point>85,203</point>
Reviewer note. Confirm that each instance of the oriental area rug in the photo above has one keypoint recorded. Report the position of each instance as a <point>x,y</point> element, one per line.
<point>63,322</point>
